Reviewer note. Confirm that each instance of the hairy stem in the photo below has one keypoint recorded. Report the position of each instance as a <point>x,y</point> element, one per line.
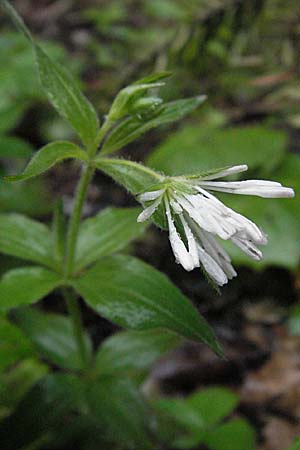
<point>78,330</point>
<point>74,223</point>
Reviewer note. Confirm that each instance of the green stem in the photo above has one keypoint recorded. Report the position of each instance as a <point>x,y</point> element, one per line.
<point>75,314</point>
<point>74,224</point>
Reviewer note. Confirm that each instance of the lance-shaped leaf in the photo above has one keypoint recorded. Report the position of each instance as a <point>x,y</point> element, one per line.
<point>133,352</point>
<point>61,88</point>
<point>108,232</point>
<point>136,125</point>
<point>66,97</point>
<point>47,157</point>
<point>133,176</point>
<point>26,238</point>
<point>53,335</point>
<point>26,285</point>
<point>122,412</point>
<point>134,295</point>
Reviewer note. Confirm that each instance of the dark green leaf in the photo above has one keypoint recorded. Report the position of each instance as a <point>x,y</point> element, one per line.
<point>133,176</point>
<point>13,345</point>
<point>122,413</point>
<point>134,295</point>
<point>134,126</point>
<point>45,407</point>
<point>53,335</point>
<point>47,157</point>
<point>133,351</point>
<point>27,239</point>
<point>26,285</point>
<point>108,232</point>
<point>17,381</point>
<point>234,435</point>
<point>13,147</point>
<point>197,149</point>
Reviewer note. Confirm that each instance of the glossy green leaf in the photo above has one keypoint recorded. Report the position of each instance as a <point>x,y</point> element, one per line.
<point>134,295</point>
<point>13,147</point>
<point>26,238</point>
<point>108,232</point>
<point>295,446</point>
<point>134,126</point>
<point>53,336</point>
<point>131,352</point>
<point>66,97</point>
<point>213,404</point>
<point>196,149</point>
<point>122,412</point>
<point>47,157</point>
<point>133,176</point>
<point>13,345</point>
<point>26,285</point>
<point>234,435</point>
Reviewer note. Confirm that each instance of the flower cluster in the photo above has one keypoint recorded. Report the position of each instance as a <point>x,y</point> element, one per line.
<point>196,219</point>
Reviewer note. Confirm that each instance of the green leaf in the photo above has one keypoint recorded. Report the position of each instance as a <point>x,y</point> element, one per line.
<point>134,295</point>
<point>31,198</point>
<point>134,126</point>
<point>66,97</point>
<point>44,408</point>
<point>61,89</point>
<point>126,98</point>
<point>122,413</point>
<point>280,221</point>
<point>13,147</point>
<point>108,232</point>
<point>27,239</point>
<point>26,285</point>
<point>53,335</point>
<point>13,345</point>
<point>197,149</point>
<point>47,157</point>
<point>16,382</point>
<point>234,435</point>
<point>213,404</point>
<point>133,176</point>
<point>295,446</point>
<point>131,352</point>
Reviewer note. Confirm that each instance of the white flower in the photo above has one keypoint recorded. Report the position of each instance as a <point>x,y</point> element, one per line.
<point>202,219</point>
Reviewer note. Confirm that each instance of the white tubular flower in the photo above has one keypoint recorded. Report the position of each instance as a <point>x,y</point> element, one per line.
<point>202,219</point>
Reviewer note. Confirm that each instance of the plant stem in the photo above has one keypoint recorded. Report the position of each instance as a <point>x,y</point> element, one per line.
<point>72,235</point>
<point>75,314</point>
<point>74,224</point>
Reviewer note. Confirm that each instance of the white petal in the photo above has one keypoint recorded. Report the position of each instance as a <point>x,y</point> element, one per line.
<point>261,188</point>
<point>226,172</point>
<point>176,207</point>
<point>181,254</point>
<point>214,249</point>
<point>212,267</point>
<point>247,246</point>
<point>193,251</point>
<point>147,212</point>
<point>151,195</point>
